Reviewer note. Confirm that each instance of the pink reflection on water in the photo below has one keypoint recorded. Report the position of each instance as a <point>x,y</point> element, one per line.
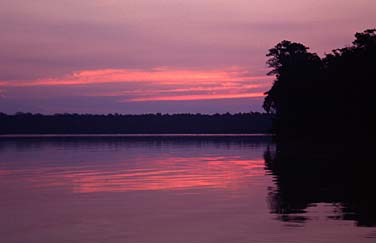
<point>172,173</point>
<point>4,172</point>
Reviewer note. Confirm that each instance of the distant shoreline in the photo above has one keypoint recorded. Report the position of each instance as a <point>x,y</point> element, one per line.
<point>131,135</point>
<point>135,125</point>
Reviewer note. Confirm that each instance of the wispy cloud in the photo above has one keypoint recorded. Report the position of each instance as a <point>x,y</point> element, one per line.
<point>162,75</point>
<point>157,84</point>
<point>55,58</point>
<point>200,97</point>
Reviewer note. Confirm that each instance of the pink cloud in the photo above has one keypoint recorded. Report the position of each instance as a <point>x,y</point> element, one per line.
<point>200,97</point>
<point>160,75</point>
<point>157,84</point>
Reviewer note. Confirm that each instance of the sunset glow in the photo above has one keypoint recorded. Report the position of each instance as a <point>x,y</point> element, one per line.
<point>158,84</point>
<point>198,121</point>
<point>201,97</point>
<point>165,76</point>
<point>157,56</point>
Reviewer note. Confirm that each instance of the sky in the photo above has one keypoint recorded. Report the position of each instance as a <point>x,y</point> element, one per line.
<point>148,56</point>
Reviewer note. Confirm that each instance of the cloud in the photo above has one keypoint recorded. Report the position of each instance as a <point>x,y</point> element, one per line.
<point>51,38</point>
<point>143,51</point>
<point>200,97</point>
<point>157,84</point>
<point>162,75</point>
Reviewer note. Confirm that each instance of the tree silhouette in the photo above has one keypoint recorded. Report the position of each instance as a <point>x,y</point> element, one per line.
<point>318,96</point>
<point>296,72</point>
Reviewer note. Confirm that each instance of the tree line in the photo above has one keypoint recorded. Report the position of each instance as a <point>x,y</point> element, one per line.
<point>27,123</point>
<point>333,95</point>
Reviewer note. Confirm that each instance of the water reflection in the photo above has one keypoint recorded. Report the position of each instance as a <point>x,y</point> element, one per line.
<point>308,175</point>
<point>135,164</point>
<point>171,173</point>
<point>180,190</point>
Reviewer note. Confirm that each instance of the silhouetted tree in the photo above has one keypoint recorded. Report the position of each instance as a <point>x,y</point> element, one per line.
<point>350,75</point>
<point>291,95</point>
<point>315,96</point>
<point>322,100</point>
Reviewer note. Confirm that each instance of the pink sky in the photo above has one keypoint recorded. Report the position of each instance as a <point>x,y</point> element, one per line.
<point>124,56</point>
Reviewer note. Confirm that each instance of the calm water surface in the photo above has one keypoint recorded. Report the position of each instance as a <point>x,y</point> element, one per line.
<point>162,190</point>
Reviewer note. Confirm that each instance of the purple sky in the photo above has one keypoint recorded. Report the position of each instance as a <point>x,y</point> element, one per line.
<point>139,56</point>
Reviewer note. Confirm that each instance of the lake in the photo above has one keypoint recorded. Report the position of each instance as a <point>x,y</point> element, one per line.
<point>171,189</point>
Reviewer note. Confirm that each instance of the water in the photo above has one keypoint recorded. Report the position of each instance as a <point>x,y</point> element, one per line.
<point>167,190</point>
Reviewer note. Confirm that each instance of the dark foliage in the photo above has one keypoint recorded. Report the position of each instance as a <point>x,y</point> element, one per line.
<point>27,123</point>
<point>324,122</point>
<point>333,95</point>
